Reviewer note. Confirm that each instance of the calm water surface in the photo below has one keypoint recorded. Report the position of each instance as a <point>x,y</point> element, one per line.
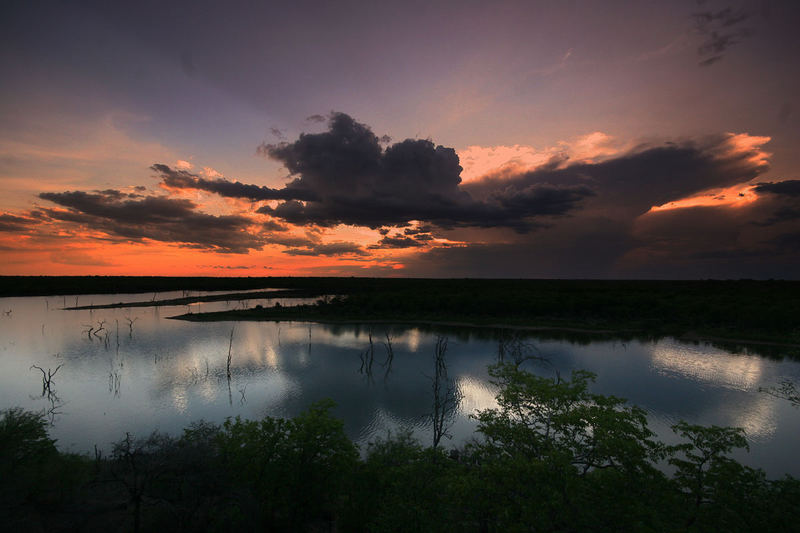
<point>144,372</point>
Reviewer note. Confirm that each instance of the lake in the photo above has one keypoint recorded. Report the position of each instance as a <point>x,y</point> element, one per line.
<point>142,372</point>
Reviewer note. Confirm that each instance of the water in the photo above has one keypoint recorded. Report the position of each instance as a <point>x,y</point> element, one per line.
<point>144,372</point>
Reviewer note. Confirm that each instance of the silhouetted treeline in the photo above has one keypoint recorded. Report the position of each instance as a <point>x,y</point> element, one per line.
<point>754,310</point>
<point>551,456</point>
<point>743,309</point>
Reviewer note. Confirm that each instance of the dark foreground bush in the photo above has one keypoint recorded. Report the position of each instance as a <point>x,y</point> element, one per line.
<point>551,457</point>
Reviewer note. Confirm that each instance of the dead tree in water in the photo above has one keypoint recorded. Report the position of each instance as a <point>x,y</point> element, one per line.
<point>367,358</point>
<point>49,393</point>
<point>445,395</point>
<point>230,347</point>
<point>47,378</point>
<point>389,355</point>
<point>130,326</point>
<point>513,346</point>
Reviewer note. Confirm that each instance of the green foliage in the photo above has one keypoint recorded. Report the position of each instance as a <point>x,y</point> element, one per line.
<point>26,454</point>
<point>716,487</point>
<point>23,438</point>
<point>553,456</point>
<point>296,468</point>
<point>32,472</point>
<point>561,421</point>
<point>402,486</point>
<point>560,457</point>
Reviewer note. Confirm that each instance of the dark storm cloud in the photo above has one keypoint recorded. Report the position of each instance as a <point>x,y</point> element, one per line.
<point>319,119</point>
<point>688,243</point>
<point>182,179</point>
<point>579,248</point>
<point>153,217</point>
<point>357,182</point>
<point>543,198</point>
<point>781,202</point>
<point>595,217</point>
<point>779,215</point>
<point>788,241</point>
<point>788,187</point>
<point>328,249</point>
<point>15,224</point>
<point>271,225</point>
<point>290,241</point>
<point>629,184</point>
<point>398,241</point>
<point>417,230</point>
<point>616,234</point>
<point>720,241</point>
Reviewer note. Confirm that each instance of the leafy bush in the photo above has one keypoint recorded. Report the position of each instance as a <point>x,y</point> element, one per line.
<point>552,456</point>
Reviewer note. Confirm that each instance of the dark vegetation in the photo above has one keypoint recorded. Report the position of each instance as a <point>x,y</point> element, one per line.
<point>552,457</point>
<point>734,311</point>
<point>764,311</point>
<point>186,300</point>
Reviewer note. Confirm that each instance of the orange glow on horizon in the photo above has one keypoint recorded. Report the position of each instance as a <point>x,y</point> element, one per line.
<point>82,252</point>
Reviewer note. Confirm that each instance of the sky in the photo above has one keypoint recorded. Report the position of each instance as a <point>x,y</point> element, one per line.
<point>531,139</point>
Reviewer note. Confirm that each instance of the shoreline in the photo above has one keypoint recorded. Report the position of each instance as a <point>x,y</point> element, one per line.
<point>188,300</point>
<point>686,337</point>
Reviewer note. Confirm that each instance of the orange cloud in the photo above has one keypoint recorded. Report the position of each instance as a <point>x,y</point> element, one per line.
<point>507,161</point>
<point>736,196</point>
<point>737,146</point>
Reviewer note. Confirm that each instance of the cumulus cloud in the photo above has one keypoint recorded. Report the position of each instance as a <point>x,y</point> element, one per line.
<point>693,208</point>
<point>156,218</point>
<point>15,224</point>
<point>646,176</point>
<point>399,241</point>
<point>358,182</point>
<point>616,233</point>
<point>271,225</point>
<point>336,248</point>
<point>788,187</point>
<point>780,202</point>
<point>183,179</point>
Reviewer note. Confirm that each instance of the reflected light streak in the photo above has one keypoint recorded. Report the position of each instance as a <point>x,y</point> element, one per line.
<point>411,339</point>
<point>272,359</point>
<point>740,372</point>
<point>757,418</point>
<point>475,395</point>
<point>208,391</point>
<point>179,399</point>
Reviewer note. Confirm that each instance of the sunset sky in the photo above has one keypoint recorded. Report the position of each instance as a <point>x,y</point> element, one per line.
<point>562,139</point>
